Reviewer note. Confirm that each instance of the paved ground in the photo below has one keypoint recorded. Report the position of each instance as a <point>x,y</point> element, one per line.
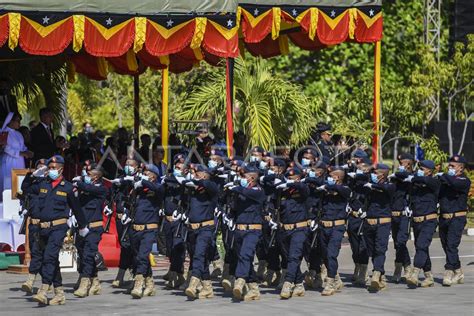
<point>397,300</point>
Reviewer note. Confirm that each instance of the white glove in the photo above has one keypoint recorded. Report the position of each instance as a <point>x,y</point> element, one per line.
<point>83,232</point>
<point>125,219</point>
<point>176,215</point>
<point>23,213</point>
<point>107,211</point>
<point>179,179</point>
<point>290,181</point>
<point>321,188</point>
<point>40,172</point>
<point>272,225</point>
<point>351,174</point>
<point>129,178</point>
<point>138,184</point>
<point>222,176</point>
<point>407,212</point>
<point>116,181</point>
<point>220,169</point>
<point>161,212</point>
<point>314,225</point>
<point>408,179</point>
<point>282,186</point>
<point>348,209</point>
<point>346,166</point>
<point>228,185</point>
<point>217,212</point>
<point>231,225</point>
<point>74,184</point>
<point>233,173</point>
<point>72,222</point>
<point>361,214</point>
<point>439,174</point>
<point>261,179</point>
<point>76,179</point>
<point>184,218</point>
<point>191,184</point>
<point>277,181</point>
<point>368,185</point>
<point>391,176</point>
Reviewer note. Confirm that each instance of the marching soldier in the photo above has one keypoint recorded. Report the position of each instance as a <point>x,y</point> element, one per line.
<point>34,268</point>
<point>358,204</point>
<point>333,226</point>
<point>173,205</point>
<point>377,222</point>
<point>122,202</point>
<point>453,210</point>
<point>55,198</point>
<point>325,144</point>
<point>201,228</point>
<point>246,220</point>
<point>294,219</point>
<point>92,194</point>
<point>400,219</point>
<point>143,229</point>
<point>424,198</point>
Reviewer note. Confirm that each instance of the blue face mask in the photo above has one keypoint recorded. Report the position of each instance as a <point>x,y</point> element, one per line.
<point>87,180</point>
<point>254,159</point>
<point>212,164</point>
<point>53,174</point>
<point>84,173</point>
<point>263,165</point>
<point>373,178</point>
<point>244,183</point>
<point>305,162</point>
<point>129,170</point>
<point>312,174</point>
<point>270,172</point>
<point>331,181</point>
<point>146,178</point>
<point>451,172</point>
<point>401,168</point>
<point>420,173</point>
<point>177,173</point>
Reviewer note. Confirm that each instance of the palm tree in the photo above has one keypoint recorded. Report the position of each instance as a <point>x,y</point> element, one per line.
<point>268,110</point>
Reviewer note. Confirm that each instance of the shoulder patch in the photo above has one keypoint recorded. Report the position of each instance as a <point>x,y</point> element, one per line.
<point>61,193</point>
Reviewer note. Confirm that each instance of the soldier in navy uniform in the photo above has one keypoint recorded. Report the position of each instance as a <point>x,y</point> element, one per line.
<point>173,204</point>
<point>55,199</point>
<point>333,226</point>
<point>125,187</point>
<point>34,268</point>
<point>377,222</point>
<point>92,194</point>
<point>400,219</point>
<point>143,229</point>
<point>201,228</point>
<point>325,144</point>
<point>315,178</point>
<point>453,210</point>
<point>246,220</point>
<point>358,204</point>
<point>424,199</point>
<point>294,218</point>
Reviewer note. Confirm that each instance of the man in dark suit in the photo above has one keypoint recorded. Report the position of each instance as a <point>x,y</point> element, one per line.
<point>42,137</point>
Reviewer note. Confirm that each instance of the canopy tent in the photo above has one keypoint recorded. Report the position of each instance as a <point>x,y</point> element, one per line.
<point>99,36</point>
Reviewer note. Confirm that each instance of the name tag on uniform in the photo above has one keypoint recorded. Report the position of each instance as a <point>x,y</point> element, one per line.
<point>43,190</point>
<point>61,193</point>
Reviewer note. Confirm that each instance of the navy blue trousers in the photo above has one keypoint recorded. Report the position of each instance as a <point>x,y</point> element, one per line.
<point>87,247</point>
<point>423,236</point>
<point>358,246</point>
<point>293,242</point>
<point>175,246</point>
<point>52,239</point>
<point>142,243</point>
<point>331,239</point>
<point>450,233</point>
<point>35,251</point>
<point>245,246</point>
<point>199,243</point>
<point>400,238</point>
<point>376,238</point>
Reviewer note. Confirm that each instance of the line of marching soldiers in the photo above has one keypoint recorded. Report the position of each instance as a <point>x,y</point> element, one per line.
<point>268,208</point>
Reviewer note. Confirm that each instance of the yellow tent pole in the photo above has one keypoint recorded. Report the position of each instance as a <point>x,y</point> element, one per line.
<point>165,113</point>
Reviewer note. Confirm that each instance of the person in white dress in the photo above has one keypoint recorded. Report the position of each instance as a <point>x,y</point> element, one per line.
<point>14,153</point>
